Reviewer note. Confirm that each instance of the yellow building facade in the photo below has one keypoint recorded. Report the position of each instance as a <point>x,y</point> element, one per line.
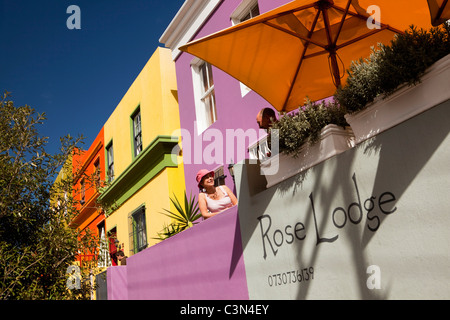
<point>141,172</point>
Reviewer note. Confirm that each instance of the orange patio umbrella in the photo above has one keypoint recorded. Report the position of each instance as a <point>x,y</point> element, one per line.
<point>439,11</point>
<point>302,48</point>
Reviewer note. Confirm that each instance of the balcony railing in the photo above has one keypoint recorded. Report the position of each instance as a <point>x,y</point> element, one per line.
<point>259,150</point>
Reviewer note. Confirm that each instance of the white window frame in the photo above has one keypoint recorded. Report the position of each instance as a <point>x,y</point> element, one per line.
<point>202,114</point>
<point>242,10</point>
<point>236,17</point>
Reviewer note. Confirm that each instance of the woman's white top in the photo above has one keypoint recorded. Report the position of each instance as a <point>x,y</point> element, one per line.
<point>219,205</point>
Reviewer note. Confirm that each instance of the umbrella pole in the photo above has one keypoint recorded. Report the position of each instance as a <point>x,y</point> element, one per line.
<point>441,9</point>
<point>331,48</point>
<point>335,69</point>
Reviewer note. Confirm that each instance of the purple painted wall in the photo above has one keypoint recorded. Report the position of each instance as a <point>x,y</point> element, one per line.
<point>233,110</point>
<point>117,281</point>
<point>204,262</point>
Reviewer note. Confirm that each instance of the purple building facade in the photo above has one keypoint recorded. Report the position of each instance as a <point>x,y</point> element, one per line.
<point>224,138</point>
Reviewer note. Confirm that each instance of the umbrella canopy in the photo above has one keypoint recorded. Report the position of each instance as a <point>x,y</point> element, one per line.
<point>439,11</point>
<point>302,49</point>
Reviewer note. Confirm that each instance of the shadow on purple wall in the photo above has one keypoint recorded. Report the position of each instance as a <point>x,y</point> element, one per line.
<point>204,262</point>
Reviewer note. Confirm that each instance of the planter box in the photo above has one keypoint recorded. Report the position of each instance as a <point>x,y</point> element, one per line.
<point>333,140</point>
<point>405,103</point>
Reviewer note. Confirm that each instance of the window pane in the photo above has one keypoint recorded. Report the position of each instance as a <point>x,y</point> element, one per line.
<point>213,107</point>
<point>83,191</point>
<point>255,11</point>
<point>204,77</point>
<point>137,124</point>
<point>110,154</point>
<point>210,78</point>
<point>208,106</point>
<point>97,173</point>
<point>111,172</point>
<point>138,144</point>
<point>137,133</point>
<point>139,231</point>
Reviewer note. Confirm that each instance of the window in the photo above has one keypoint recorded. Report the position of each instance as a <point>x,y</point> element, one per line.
<point>104,259</point>
<point>110,162</point>
<point>97,173</point>
<point>205,104</point>
<point>208,97</point>
<point>138,231</point>
<point>112,237</point>
<point>219,177</point>
<point>251,13</point>
<point>83,191</point>
<point>246,10</point>
<point>137,133</point>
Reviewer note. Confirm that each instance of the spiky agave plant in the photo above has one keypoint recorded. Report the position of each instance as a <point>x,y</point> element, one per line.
<point>184,216</point>
<point>168,231</point>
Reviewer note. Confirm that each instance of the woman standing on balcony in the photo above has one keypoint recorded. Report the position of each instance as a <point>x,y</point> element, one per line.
<point>213,200</point>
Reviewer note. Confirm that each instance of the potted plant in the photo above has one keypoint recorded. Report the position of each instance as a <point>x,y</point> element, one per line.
<point>397,81</point>
<point>306,137</point>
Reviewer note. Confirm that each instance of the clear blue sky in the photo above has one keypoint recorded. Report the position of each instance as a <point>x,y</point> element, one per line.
<point>77,77</point>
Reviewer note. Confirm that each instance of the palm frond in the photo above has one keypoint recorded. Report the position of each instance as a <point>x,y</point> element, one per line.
<point>184,216</point>
<point>168,231</point>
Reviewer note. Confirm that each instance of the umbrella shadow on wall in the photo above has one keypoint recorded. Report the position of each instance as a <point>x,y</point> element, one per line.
<point>326,186</point>
<point>402,153</point>
<point>394,158</point>
<point>315,182</point>
<point>414,142</point>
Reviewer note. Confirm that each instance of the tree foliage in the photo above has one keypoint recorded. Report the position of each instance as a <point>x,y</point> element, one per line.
<point>36,243</point>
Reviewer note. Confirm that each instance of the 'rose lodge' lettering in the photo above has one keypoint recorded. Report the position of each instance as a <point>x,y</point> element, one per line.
<point>274,239</point>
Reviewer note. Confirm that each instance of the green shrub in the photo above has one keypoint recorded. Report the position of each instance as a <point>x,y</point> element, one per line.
<point>304,126</point>
<point>362,85</point>
<point>404,61</point>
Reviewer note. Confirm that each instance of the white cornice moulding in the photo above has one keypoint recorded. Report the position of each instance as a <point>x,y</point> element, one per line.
<point>186,23</point>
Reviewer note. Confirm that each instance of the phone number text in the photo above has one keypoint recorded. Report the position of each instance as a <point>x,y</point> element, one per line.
<point>296,276</point>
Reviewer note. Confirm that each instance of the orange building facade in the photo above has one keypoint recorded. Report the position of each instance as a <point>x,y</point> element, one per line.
<point>87,181</point>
